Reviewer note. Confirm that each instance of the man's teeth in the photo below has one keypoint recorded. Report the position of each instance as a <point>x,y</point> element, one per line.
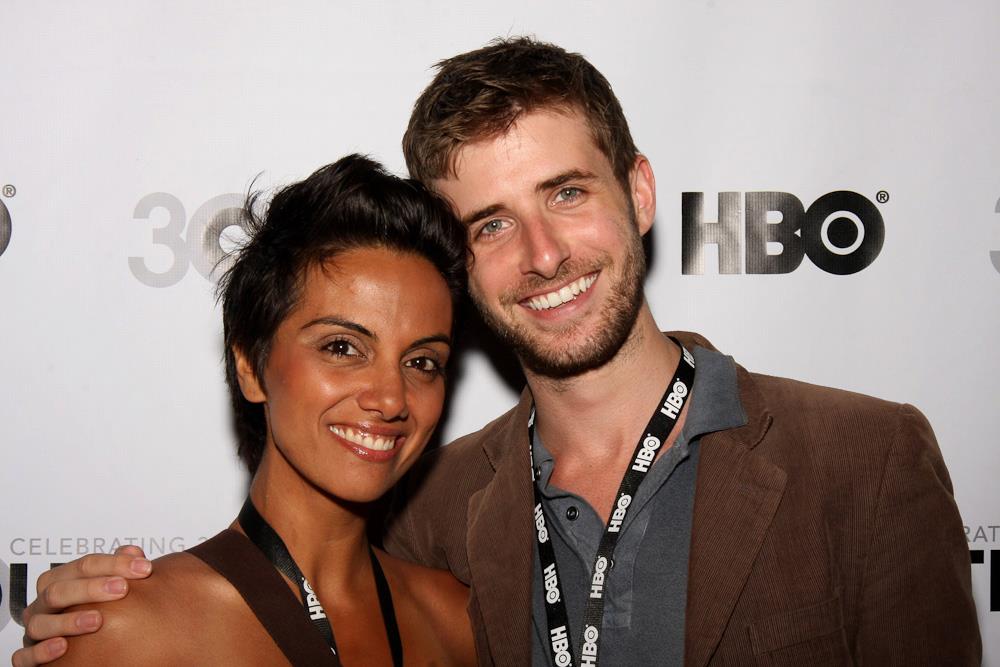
<point>564,295</point>
<point>377,442</point>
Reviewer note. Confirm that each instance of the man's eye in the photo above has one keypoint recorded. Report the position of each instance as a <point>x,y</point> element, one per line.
<point>566,194</point>
<point>492,227</point>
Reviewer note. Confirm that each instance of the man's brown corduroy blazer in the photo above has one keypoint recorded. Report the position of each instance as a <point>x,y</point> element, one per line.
<point>824,533</point>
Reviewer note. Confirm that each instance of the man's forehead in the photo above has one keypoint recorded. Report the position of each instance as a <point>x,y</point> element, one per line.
<point>478,158</point>
<point>513,135</point>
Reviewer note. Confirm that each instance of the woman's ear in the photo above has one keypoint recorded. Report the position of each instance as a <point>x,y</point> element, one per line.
<point>250,384</point>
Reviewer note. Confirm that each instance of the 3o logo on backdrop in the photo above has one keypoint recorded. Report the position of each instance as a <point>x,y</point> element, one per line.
<point>6,226</point>
<point>841,233</point>
<point>201,246</point>
<point>994,254</point>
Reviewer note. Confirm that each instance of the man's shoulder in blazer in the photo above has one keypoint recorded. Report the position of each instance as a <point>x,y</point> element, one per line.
<point>824,532</point>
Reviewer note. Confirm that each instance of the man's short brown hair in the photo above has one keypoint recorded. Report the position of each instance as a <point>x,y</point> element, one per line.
<point>480,94</point>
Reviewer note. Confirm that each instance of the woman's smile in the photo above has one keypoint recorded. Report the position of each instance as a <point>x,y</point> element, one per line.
<point>358,362</point>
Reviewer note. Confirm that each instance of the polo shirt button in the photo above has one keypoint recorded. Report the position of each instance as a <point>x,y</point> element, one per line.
<point>538,472</point>
<point>572,512</point>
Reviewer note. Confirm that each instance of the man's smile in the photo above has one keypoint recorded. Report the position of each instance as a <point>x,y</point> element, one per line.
<point>564,294</point>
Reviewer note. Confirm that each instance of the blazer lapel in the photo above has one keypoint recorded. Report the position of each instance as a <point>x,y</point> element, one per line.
<point>500,542</point>
<point>736,497</point>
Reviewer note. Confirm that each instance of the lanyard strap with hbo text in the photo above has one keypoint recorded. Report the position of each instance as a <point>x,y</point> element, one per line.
<point>270,543</point>
<point>660,425</point>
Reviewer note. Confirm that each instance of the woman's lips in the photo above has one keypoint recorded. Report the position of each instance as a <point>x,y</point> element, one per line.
<point>370,446</point>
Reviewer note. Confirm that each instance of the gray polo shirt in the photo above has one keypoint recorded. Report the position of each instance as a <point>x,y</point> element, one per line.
<point>646,590</point>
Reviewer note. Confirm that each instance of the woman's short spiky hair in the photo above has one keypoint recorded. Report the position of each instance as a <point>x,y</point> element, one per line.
<point>480,95</point>
<point>350,204</point>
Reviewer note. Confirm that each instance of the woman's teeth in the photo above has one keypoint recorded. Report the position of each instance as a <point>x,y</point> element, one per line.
<point>379,443</point>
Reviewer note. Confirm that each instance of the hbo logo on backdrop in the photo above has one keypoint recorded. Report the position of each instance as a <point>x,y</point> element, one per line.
<point>841,232</point>
<point>196,242</point>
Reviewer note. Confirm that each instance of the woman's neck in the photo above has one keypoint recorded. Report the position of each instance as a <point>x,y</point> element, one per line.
<point>325,536</point>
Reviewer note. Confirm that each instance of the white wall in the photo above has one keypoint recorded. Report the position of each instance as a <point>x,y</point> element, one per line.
<point>113,412</point>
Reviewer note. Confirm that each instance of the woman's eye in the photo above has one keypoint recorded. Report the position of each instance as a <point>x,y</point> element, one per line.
<point>341,348</point>
<point>424,365</point>
<point>566,194</point>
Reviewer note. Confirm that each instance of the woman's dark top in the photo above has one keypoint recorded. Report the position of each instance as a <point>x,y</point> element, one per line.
<point>236,558</point>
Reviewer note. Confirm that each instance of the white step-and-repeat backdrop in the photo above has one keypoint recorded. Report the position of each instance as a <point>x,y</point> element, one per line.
<point>128,131</point>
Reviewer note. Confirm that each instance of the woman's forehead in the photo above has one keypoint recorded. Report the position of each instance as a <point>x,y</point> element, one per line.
<point>382,288</point>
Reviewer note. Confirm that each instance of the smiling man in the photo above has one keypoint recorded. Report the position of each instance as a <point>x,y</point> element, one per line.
<point>557,252</point>
<point>780,523</point>
<point>678,509</point>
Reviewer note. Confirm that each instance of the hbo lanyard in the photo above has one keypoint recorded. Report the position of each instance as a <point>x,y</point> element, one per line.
<point>657,431</point>
<point>268,541</point>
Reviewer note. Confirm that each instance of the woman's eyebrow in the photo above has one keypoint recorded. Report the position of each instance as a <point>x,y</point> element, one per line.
<point>332,320</point>
<point>436,338</point>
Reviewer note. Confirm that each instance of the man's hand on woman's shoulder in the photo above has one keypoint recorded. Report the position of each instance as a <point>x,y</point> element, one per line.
<point>87,580</point>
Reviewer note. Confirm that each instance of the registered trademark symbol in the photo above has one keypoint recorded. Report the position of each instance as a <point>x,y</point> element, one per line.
<point>9,190</point>
<point>882,196</point>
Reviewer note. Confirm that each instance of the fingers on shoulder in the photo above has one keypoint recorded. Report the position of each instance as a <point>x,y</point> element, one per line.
<point>122,564</point>
<point>40,653</point>
<point>93,567</point>
<point>59,595</point>
<point>130,550</point>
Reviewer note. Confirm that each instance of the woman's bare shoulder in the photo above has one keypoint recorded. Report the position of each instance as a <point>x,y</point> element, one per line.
<point>439,598</point>
<point>159,617</point>
<point>429,583</point>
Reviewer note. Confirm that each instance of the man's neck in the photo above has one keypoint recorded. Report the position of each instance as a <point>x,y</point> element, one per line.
<point>599,415</point>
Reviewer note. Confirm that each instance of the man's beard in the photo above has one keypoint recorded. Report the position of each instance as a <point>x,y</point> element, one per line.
<point>616,320</point>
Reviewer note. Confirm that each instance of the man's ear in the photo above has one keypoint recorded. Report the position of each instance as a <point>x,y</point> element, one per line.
<point>642,189</point>
<point>250,384</point>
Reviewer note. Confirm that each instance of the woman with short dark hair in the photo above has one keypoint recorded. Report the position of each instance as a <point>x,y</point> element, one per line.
<point>338,318</point>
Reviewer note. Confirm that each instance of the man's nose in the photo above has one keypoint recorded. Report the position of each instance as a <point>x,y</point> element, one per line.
<point>545,248</point>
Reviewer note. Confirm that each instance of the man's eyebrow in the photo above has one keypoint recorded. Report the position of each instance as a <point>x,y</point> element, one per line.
<point>563,178</point>
<point>340,322</point>
<point>480,214</point>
